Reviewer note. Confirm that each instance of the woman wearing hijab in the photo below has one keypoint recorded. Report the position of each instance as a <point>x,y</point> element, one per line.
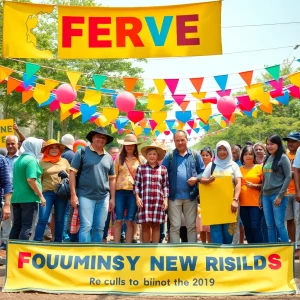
<point>27,189</point>
<point>224,166</point>
<point>52,164</point>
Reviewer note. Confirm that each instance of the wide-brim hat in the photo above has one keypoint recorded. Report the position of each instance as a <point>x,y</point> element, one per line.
<point>54,142</point>
<point>100,130</point>
<point>161,152</point>
<point>129,139</point>
<point>293,136</point>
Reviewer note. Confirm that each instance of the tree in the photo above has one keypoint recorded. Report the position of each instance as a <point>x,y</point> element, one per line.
<point>46,33</point>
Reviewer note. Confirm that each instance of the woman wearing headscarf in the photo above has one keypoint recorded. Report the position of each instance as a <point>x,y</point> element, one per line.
<point>27,189</point>
<point>52,164</point>
<point>224,166</point>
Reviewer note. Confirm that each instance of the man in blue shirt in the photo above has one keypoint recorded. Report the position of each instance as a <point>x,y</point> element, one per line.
<point>12,147</point>
<point>185,168</point>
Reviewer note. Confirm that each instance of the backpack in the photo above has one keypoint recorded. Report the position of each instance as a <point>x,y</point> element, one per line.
<point>63,189</point>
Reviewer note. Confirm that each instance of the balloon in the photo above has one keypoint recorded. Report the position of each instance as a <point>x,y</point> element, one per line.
<point>79,144</point>
<point>65,93</point>
<point>125,101</point>
<point>226,105</point>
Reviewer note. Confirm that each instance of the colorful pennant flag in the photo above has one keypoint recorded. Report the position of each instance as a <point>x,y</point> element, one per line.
<point>31,69</point>
<point>153,124</point>
<point>221,81</point>
<point>28,80</point>
<point>50,84</point>
<point>99,80</point>
<point>110,114</point>
<point>184,105</point>
<point>159,117</point>
<point>197,83</point>
<point>92,97</point>
<point>135,116</point>
<point>284,99</point>
<point>224,93</point>
<point>87,111</point>
<point>160,85</point>
<point>203,111</point>
<point>274,71</point>
<point>247,77</point>
<point>245,103</point>
<point>170,123</point>
<point>179,98</point>
<point>129,83</point>
<point>199,95</point>
<point>183,116</point>
<point>172,85</point>
<point>26,95</point>
<point>5,72</point>
<point>155,102</point>
<point>74,77</point>
<point>12,84</point>
<point>255,91</point>
<point>54,105</point>
<point>295,79</point>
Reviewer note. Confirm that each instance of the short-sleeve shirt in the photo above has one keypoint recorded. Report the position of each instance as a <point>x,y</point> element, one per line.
<point>11,162</point>
<point>50,179</point>
<point>292,187</point>
<point>232,170</point>
<point>93,181</point>
<point>126,173</point>
<point>68,155</point>
<point>250,196</point>
<point>296,163</point>
<point>26,166</point>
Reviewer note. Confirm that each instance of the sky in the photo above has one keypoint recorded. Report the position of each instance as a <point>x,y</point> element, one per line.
<point>234,13</point>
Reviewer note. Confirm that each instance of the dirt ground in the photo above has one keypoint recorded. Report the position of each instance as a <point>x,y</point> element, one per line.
<point>42,296</point>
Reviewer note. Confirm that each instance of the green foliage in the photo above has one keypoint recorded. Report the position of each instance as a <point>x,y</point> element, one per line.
<point>29,113</point>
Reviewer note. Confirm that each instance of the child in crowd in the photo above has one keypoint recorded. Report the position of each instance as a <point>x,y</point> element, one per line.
<point>151,191</point>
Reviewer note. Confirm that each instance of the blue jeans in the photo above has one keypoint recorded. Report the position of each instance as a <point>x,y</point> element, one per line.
<point>219,234</point>
<point>275,218</point>
<point>264,229</point>
<point>125,200</point>
<point>251,217</point>
<point>44,213</point>
<point>92,214</point>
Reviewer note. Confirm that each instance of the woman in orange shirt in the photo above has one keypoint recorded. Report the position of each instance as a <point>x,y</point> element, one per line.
<point>250,212</point>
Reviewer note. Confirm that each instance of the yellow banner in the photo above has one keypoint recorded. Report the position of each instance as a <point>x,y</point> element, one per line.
<point>117,32</point>
<point>165,269</point>
<point>6,129</point>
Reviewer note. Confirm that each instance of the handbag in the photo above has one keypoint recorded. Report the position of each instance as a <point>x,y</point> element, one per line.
<point>63,188</point>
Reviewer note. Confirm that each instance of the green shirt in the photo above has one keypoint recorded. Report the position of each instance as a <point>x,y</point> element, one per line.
<point>26,166</point>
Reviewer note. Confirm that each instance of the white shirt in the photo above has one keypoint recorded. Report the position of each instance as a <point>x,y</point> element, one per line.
<point>233,170</point>
<point>296,163</point>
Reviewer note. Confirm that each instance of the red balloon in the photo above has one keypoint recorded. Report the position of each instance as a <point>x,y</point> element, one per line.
<point>125,101</point>
<point>65,93</point>
<point>226,105</point>
<point>135,116</point>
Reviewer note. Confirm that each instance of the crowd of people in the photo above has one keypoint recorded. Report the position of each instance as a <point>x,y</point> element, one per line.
<point>139,190</point>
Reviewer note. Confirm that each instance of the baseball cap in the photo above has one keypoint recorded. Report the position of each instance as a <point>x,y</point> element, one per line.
<point>293,136</point>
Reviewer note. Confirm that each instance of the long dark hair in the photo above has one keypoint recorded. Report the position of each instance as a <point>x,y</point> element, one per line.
<point>248,148</point>
<point>123,154</point>
<point>275,139</point>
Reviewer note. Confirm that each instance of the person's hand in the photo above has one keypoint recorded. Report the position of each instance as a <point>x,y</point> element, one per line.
<point>74,201</point>
<point>5,212</point>
<point>211,179</point>
<point>111,204</point>
<point>165,204</point>
<point>43,201</point>
<point>249,184</point>
<point>277,201</point>
<point>192,181</point>
<point>298,196</point>
<point>15,127</point>
<point>139,202</point>
<point>234,206</point>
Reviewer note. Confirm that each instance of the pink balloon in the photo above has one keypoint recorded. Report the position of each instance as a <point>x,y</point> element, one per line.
<point>226,105</point>
<point>65,93</point>
<point>125,101</point>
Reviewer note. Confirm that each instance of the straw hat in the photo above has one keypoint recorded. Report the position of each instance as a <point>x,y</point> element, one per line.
<point>129,139</point>
<point>54,142</point>
<point>161,152</point>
